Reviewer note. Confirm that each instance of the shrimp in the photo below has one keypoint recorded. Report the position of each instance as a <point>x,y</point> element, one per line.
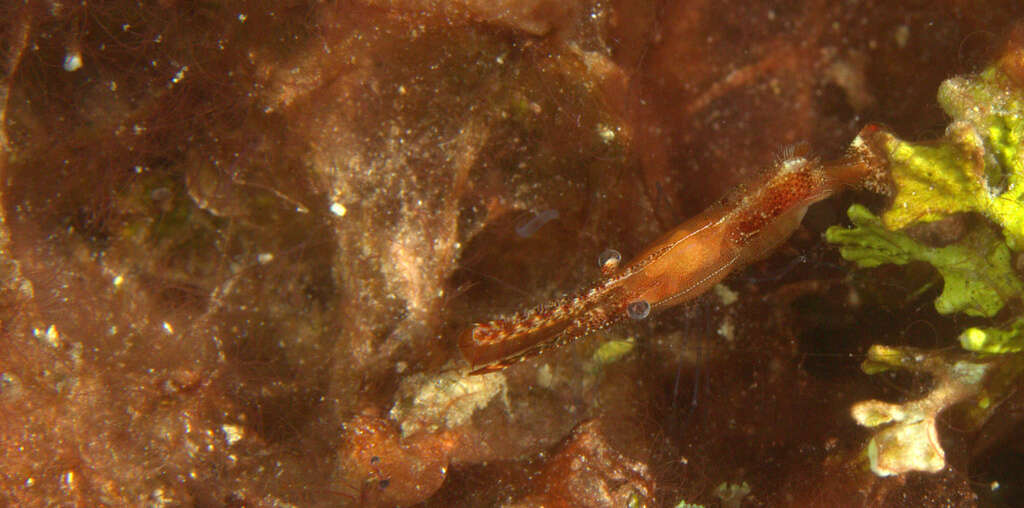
<point>681,265</point>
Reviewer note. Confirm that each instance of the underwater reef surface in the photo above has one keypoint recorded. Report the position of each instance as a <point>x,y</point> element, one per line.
<point>239,240</point>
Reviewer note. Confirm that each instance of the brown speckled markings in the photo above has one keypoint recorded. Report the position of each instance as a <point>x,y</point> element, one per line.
<point>799,181</point>
<point>678,267</point>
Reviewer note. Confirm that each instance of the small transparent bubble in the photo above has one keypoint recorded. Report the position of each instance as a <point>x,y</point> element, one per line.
<point>161,194</point>
<point>608,259</point>
<point>528,227</point>
<point>639,309</point>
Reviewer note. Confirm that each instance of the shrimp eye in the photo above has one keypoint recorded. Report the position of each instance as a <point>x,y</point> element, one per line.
<point>608,260</point>
<point>639,309</point>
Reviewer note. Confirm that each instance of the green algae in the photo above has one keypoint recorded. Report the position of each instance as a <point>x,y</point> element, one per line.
<point>612,351</point>
<point>979,278</point>
<point>995,340</point>
<point>978,166</point>
<point>684,504</point>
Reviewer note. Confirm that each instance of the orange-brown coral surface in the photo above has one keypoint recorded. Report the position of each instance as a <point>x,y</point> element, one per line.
<point>238,241</point>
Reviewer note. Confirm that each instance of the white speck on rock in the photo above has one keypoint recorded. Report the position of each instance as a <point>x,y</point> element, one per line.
<point>232,433</point>
<point>73,61</point>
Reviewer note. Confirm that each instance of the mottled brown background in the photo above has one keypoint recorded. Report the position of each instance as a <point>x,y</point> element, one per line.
<point>187,320</point>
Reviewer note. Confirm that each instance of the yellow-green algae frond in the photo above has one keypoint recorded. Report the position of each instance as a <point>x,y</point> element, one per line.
<point>979,279</point>
<point>977,167</point>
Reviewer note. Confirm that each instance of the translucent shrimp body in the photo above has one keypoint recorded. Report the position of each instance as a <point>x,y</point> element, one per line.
<point>681,265</point>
